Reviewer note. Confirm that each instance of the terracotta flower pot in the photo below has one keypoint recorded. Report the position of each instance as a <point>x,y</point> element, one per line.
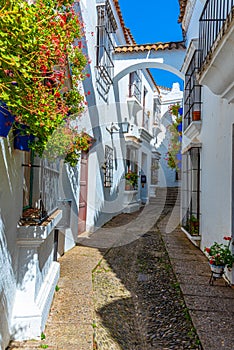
<point>196,115</point>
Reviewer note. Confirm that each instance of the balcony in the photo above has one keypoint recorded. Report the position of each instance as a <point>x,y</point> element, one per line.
<point>216,36</point>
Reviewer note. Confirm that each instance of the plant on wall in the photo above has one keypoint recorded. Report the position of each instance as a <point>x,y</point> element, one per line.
<point>175,129</point>
<point>39,57</point>
<point>132,178</point>
<point>67,143</point>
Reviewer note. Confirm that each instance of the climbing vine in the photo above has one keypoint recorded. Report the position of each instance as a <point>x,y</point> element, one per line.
<point>175,129</point>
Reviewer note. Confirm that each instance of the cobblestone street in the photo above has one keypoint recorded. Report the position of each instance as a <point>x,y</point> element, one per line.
<point>128,296</point>
<point>138,301</point>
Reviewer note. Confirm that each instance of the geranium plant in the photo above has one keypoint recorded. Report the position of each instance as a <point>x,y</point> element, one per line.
<point>219,254</point>
<point>67,143</point>
<point>132,178</point>
<point>41,64</point>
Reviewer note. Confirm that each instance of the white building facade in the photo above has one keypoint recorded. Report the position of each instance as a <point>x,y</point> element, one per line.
<point>207,182</point>
<point>82,198</point>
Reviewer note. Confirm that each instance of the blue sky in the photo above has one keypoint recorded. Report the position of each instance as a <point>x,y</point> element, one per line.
<point>153,21</point>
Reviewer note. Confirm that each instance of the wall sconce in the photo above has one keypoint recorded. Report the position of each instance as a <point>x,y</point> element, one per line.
<point>118,128</point>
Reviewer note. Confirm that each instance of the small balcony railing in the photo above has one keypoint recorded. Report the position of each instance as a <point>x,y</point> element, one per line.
<point>134,91</point>
<point>192,92</point>
<point>214,21</point>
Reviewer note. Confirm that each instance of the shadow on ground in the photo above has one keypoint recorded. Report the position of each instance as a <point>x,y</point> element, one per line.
<point>138,302</point>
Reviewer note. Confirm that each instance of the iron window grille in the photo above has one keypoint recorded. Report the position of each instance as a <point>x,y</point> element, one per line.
<point>192,90</point>
<point>106,27</point>
<point>41,184</point>
<point>108,167</point>
<point>214,21</point>
<point>49,185</point>
<point>191,192</point>
<point>135,85</point>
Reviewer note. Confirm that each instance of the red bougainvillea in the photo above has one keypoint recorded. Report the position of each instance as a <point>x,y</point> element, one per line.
<point>41,64</point>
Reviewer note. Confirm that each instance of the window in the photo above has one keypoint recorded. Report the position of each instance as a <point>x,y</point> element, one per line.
<point>135,83</point>
<point>108,167</point>
<point>40,186</point>
<point>191,191</point>
<point>106,26</point>
<point>145,116</point>
<point>192,92</point>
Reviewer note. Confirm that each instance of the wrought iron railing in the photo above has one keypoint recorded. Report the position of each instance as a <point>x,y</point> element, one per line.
<point>192,92</point>
<point>191,191</point>
<point>135,91</point>
<point>135,85</point>
<point>49,185</point>
<point>213,23</point>
<point>106,27</point>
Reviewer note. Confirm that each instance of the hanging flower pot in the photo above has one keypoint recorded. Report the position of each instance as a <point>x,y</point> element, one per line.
<point>6,120</point>
<point>179,127</point>
<point>179,159</point>
<point>22,140</point>
<point>179,156</point>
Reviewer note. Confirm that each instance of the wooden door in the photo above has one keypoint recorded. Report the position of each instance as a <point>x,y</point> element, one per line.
<point>83,193</point>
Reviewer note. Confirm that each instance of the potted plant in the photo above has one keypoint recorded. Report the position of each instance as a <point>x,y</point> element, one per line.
<point>220,256</point>
<point>196,115</point>
<point>67,143</point>
<point>132,179</point>
<point>6,120</point>
<point>22,137</point>
<point>193,226</point>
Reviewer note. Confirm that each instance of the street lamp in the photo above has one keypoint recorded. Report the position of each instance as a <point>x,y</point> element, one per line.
<point>118,128</point>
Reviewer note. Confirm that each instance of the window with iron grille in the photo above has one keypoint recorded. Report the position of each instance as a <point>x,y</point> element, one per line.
<point>106,27</point>
<point>191,172</point>
<point>135,85</point>
<point>192,92</point>
<point>108,167</point>
<point>40,184</point>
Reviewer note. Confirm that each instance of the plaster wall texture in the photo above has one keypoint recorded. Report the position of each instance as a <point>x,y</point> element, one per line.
<point>216,157</point>
<point>104,203</point>
<point>191,19</point>
<point>216,165</point>
<point>10,211</point>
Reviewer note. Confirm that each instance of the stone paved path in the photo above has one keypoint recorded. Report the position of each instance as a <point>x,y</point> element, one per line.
<point>120,286</point>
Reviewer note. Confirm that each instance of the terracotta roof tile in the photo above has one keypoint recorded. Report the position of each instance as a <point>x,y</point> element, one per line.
<point>146,47</point>
<point>183,4</point>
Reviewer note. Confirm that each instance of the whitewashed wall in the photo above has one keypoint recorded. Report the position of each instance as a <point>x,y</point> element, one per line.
<point>10,211</point>
<point>216,165</point>
<point>167,176</point>
<point>216,155</point>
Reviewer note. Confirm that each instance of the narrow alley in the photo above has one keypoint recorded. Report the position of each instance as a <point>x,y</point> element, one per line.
<point>128,296</point>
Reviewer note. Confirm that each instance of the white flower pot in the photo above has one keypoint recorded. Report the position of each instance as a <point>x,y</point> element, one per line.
<point>217,270</point>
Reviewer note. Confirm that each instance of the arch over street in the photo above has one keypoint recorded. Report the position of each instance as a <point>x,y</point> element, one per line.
<point>168,56</point>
